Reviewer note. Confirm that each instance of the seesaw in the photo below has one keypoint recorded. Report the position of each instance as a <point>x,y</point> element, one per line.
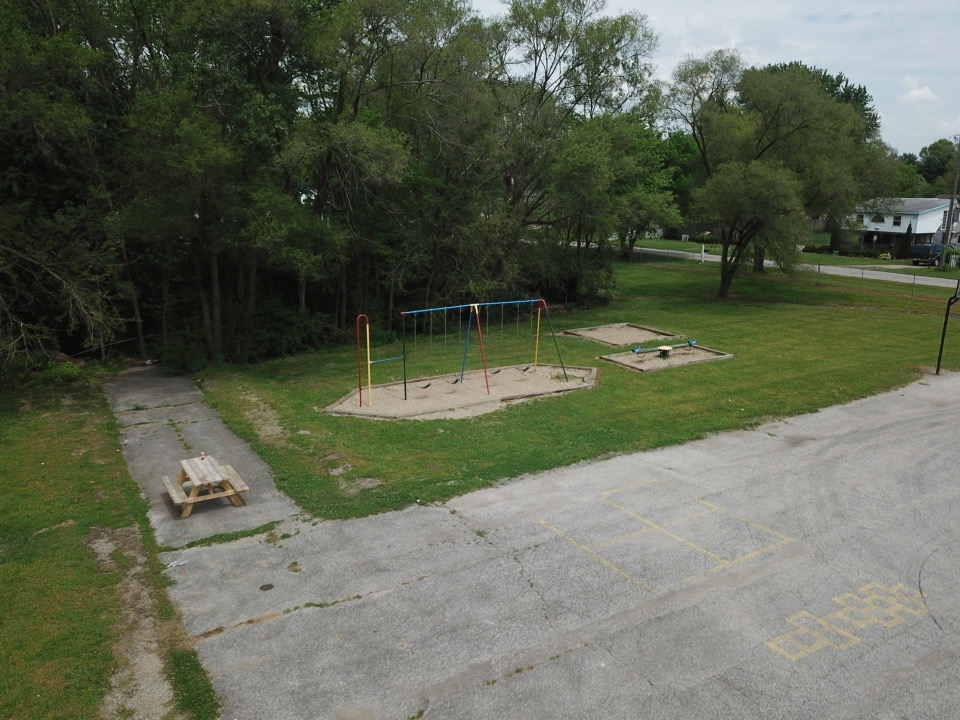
<point>664,350</point>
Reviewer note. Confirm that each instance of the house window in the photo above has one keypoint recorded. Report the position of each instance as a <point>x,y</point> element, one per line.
<point>860,219</point>
<point>896,221</point>
<point>878,219</point>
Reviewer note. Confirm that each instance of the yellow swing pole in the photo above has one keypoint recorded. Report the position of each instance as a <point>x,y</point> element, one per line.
<point>369,373</point>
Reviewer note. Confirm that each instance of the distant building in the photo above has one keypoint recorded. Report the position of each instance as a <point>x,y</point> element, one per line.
<point>926,218</point>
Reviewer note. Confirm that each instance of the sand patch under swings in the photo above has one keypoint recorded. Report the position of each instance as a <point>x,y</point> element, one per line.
<point>619,334</point>
<point>447,397</point>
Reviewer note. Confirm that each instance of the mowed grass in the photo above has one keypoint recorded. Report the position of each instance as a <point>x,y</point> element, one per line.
<point>64,479</point>
<point>63,475</point>
<point>798,347</point>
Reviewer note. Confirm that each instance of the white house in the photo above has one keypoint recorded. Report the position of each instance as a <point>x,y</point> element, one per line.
<point>924,217</point>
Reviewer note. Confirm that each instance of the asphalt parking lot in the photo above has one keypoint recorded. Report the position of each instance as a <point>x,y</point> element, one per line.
<point>805,569</point>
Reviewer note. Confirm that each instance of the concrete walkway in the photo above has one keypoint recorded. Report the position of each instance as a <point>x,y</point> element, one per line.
<point>165,420</point>
<point>806,569</point>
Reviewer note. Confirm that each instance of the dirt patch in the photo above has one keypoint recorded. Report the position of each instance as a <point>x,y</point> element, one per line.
<point>619,334</point>
<point>264,418</point>
<point>350,488</point>
<point>139,689</point>
<point>657,359</point>
<point>461,396</point>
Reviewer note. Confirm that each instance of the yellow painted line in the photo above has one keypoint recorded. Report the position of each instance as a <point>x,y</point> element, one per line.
<point>627,488</point>
<point>599,557</point>
<point>664,528</point>
<point>751,556</point>
<point>621,538</point>
<point>668,533</point>
<point>695,516</point>
<point>727,512</point>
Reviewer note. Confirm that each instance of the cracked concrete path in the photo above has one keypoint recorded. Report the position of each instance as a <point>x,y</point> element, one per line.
<point>164,420</point>
<point>806,569</point>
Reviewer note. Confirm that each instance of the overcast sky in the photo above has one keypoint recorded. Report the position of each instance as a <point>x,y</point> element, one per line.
<point>906,54</point>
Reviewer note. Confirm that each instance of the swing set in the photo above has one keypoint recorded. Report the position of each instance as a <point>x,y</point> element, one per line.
<point>473,311</point>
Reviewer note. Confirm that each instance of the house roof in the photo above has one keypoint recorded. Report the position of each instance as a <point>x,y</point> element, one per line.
<point>909,206</point>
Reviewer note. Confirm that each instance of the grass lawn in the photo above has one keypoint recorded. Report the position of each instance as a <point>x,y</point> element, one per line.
<point>798,348</point>
<point>65,481</point>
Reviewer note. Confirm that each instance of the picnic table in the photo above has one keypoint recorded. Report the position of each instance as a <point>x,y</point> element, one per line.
<point>203,478</point>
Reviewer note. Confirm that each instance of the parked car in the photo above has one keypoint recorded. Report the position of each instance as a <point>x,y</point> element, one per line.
<point>929,253</point>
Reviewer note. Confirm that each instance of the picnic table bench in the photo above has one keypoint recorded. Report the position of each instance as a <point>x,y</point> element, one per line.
<point>203,478</point>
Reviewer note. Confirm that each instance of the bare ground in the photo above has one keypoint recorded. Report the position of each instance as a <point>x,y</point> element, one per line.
<point>619,334</point>
<point>449,396</point>
<point>139,689</point>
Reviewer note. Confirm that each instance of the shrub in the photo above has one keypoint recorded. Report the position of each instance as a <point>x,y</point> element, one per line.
<point>59,372</point>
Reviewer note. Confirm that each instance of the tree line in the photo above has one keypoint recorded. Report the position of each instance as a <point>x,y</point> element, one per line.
<point>240,178</point>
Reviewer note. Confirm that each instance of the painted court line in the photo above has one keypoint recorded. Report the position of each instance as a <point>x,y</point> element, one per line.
<point>650,526</point>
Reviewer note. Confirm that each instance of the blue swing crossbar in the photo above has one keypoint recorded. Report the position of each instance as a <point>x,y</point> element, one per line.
<point>460,307</point>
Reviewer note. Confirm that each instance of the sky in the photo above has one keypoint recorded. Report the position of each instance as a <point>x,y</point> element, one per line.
<point>906,54</point>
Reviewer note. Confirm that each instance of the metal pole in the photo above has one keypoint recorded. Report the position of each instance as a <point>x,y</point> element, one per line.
<point>555,344</point>
<point>403,335</point>
<point>359,361</point>
<point>369,372</point>
<point>946,319</point>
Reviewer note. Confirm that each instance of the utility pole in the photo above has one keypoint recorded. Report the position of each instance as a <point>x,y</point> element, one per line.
<point>948,225</point>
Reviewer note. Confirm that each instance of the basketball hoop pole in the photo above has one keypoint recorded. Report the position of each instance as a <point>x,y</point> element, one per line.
<point>946,320</point>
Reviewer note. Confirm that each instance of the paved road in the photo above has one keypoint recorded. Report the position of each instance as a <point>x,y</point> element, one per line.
<point>846,271</point>
<point>806,569</point>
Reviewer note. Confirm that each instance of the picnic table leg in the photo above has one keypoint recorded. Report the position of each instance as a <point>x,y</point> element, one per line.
<point>188,507</point>
<point>235,498</point>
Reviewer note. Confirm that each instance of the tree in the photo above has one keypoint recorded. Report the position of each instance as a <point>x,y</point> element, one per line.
<point>755,204</point>
<point>240,177</point>
<point>782,117</point>
<point>935,164</point>
<point>701,95</point>
<point>58,266</point>
<point>841,89</point>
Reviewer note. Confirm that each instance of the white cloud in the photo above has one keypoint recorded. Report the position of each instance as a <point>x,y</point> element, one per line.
<point>949,126</point>
<point>917,95</point>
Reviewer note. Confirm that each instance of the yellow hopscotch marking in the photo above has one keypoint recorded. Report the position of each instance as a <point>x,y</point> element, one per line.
<point>664,528</point>
<point>599,557</point>
<point>651,527</point>
<point>726,512</point>
<point>668,533</point>
<point>886,606</point>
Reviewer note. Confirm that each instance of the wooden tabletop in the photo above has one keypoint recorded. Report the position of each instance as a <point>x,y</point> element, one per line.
<point>204,470</point>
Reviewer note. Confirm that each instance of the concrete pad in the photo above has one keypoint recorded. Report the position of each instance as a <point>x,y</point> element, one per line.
<point>164,420</point>
<point>807,569</point>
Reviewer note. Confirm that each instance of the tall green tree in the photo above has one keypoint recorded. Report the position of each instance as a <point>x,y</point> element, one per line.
<point>58,265</point>
<point>935,165</point>
<point>770,123</point>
